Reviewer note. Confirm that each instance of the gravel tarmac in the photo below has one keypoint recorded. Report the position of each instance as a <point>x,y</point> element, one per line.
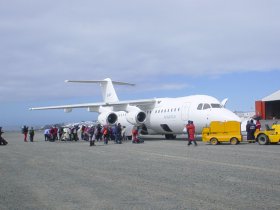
<point>159,174</point>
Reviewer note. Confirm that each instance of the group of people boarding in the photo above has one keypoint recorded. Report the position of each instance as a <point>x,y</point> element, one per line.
<point>116,133</point>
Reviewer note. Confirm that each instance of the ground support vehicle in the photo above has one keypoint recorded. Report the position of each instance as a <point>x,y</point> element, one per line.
<point>218,132</point>
<point>269,135</point>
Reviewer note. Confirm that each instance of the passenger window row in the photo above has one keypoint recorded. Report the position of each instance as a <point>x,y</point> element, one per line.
<point>167,110</point>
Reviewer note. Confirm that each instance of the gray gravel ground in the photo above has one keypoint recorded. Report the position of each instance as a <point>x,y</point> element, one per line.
<point>158,174</point>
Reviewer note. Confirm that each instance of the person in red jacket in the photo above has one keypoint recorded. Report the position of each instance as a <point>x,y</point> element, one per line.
<point>191,132</point>
<point>135,136</point>
<point>25,132</point>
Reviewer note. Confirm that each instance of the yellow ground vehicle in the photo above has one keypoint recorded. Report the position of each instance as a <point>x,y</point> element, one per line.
<point>218,132</point>
<point>269,135</point>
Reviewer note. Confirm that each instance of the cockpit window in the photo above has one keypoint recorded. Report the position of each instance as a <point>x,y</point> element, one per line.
<point>216,105</point>
<point>206,106</point>
<point>199,107</point>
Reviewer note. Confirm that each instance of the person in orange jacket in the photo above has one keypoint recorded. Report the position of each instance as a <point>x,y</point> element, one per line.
<point>191,132</point>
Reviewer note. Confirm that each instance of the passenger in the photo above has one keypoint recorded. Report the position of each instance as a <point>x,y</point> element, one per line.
<point>82,131</point>
<point>60,133</point>
<point>119,134</point>
<point>135,136</point>
<point>55,133</point>
<point>91,132</point>
<point>31,134</point>
<point>2,140</point>
<point>191,132</point>
<point>105,132</point>
<point>71,135</point>
<point>109,133</point>
<point>248,130</point>
<point>47,134</point>
<point>66,134</point>
<point>97,132</point>
<point>114,133</point>
<point>52,134</point>
<point>25,132</point>
<point>87,133</point>
<point>92,136</point>
<point>75,133</point>
<point>252,130</point>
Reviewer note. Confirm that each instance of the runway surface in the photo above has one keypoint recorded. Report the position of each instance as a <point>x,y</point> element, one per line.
<point>158,174</point>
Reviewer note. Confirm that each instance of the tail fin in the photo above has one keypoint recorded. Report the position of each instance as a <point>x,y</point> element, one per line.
<point>108,90</point>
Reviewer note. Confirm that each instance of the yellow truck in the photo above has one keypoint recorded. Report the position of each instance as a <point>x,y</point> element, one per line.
<point>218,132</point>
<point>269,135</point>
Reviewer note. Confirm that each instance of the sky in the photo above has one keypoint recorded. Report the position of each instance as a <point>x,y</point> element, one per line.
<point>226,49</point>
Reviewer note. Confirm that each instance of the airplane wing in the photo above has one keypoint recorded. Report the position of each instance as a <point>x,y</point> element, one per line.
<point>94,107</point>
<point>69,106</point>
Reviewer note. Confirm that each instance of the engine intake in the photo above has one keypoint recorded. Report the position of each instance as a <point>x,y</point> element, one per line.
<point>136,117</point>
<point>107,118</point>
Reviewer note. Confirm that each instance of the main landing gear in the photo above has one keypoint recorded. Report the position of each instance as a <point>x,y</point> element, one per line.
<point>170,136</point>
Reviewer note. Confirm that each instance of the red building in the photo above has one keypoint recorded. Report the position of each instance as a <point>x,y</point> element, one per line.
<point>269,107</point>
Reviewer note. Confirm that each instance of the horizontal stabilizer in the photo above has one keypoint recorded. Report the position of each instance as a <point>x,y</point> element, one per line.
<point>99,81</point>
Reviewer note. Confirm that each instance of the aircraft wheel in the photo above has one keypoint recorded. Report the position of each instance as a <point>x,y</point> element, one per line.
<point>214,141</point>
<point>263,139</point>
<point>234,141</point>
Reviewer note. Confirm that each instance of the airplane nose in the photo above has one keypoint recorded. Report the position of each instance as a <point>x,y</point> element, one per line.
<point>229,115</point>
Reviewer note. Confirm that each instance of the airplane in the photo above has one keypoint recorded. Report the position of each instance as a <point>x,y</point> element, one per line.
<point>166,116</point>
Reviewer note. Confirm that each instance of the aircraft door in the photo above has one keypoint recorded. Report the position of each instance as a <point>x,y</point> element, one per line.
<point>185,111</point>
<point>207,110</point>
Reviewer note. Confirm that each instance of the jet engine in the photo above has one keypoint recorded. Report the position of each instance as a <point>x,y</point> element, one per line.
<point>136,117</point>
<point>107,118</point>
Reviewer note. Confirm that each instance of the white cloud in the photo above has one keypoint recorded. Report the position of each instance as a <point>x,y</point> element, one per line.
<point>44,43</point>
